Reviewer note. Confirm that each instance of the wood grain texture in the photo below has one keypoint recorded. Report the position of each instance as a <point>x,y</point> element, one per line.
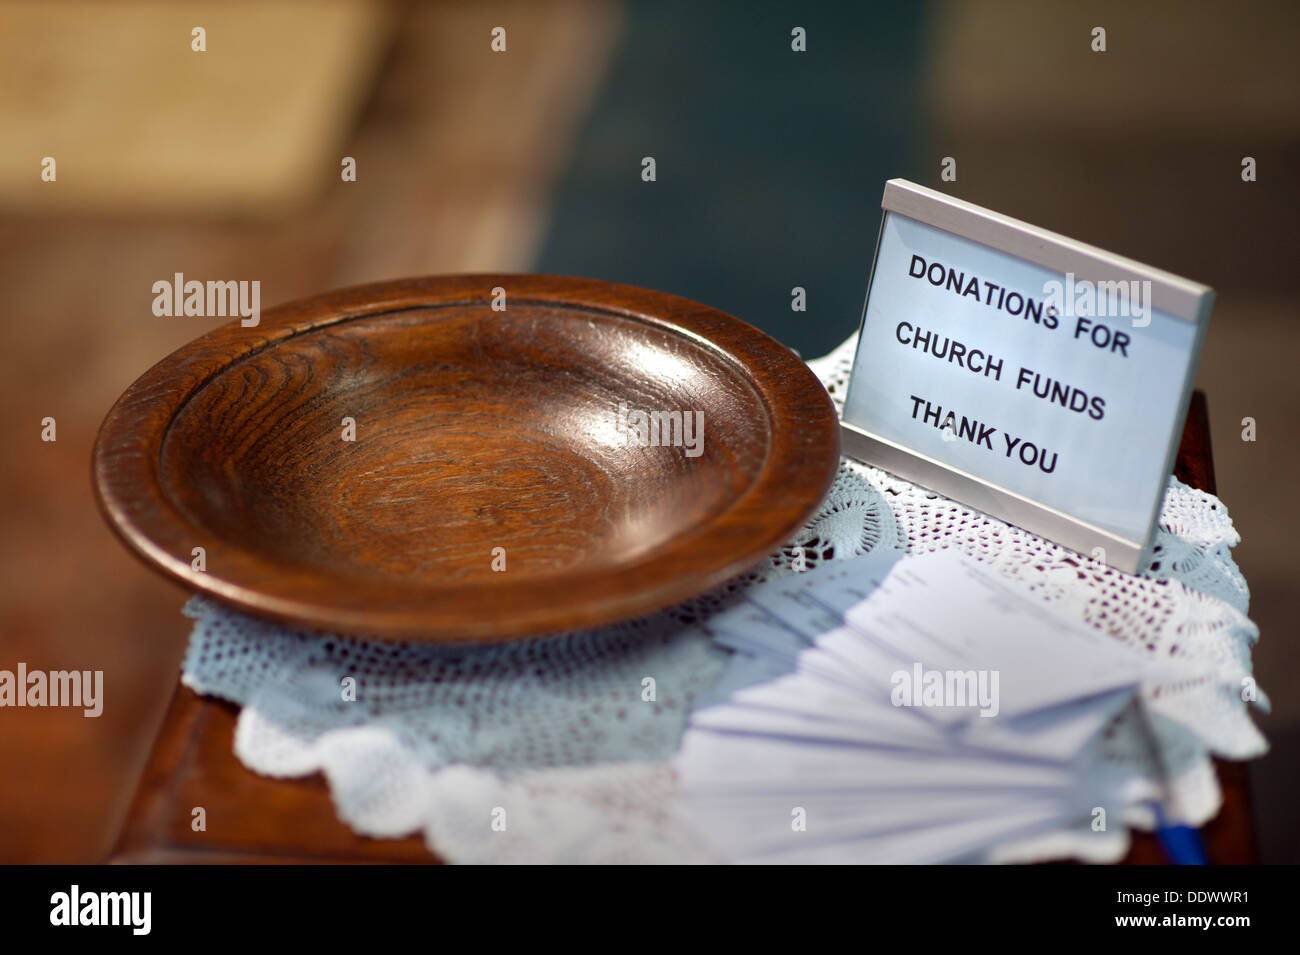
<point>476,429</point>
<point>258,820</point>
<point>248,818</point>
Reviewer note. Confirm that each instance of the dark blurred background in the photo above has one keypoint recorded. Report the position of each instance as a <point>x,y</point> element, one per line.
<point>770,163</point>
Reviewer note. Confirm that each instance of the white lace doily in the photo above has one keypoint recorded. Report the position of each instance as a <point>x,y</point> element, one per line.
<point>553,750</point>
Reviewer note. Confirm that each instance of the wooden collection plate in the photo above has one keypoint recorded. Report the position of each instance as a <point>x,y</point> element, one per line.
<point>475,429</point>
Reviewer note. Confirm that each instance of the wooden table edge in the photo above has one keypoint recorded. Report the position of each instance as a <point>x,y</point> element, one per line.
<point>148,835</point>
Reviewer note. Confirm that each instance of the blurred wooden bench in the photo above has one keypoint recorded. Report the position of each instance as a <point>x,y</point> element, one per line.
<point>254,819</point>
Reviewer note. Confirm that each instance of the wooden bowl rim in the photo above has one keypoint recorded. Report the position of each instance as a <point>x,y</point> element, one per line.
<point>803,459</point>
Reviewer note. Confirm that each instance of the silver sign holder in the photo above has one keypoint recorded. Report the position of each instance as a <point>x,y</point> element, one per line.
<point>1113,518</point>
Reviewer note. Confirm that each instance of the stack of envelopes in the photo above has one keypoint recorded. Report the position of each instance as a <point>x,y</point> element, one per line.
<point>903,710</point>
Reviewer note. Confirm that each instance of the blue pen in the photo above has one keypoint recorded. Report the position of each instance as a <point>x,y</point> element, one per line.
<point>1181,843</point>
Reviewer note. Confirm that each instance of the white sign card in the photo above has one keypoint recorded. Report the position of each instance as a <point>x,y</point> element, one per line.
<point>1036,378</point>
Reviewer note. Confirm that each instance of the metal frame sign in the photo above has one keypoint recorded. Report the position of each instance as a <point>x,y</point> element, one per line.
<point>1036,378</point>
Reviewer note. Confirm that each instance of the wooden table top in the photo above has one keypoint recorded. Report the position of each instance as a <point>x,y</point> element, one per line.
<point>256,819</point>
